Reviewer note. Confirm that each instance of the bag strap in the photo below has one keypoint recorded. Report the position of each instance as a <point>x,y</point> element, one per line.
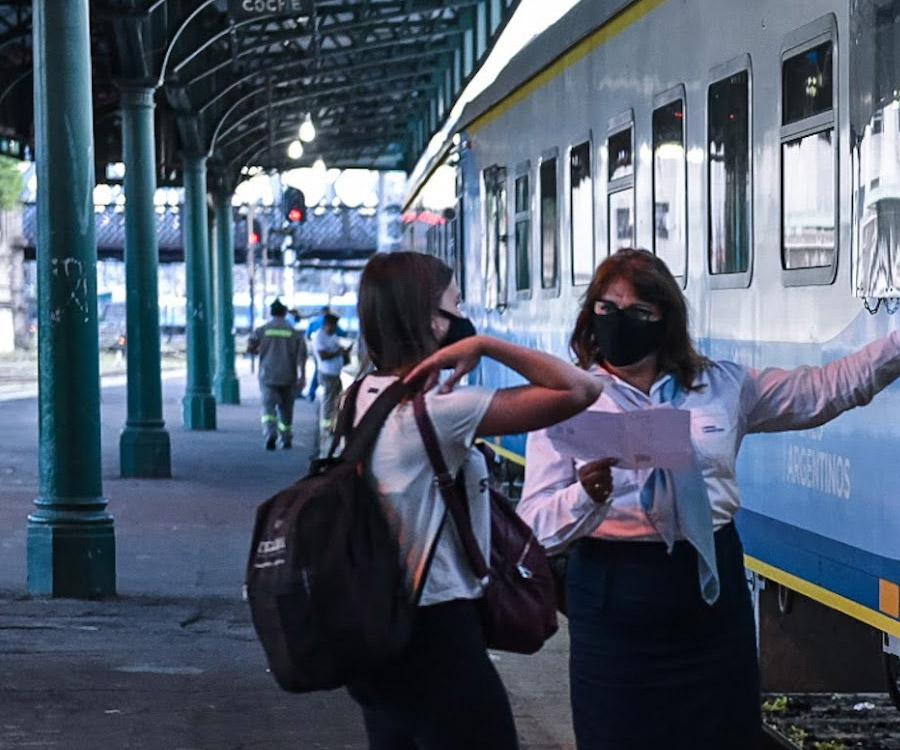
<point>363,435</point>
<point>448,487</point>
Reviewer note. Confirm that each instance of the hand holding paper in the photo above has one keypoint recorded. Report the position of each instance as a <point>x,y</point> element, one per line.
<point>648,438</point>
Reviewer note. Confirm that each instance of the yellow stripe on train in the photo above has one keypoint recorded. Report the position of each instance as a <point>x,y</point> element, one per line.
<point>889,592</point>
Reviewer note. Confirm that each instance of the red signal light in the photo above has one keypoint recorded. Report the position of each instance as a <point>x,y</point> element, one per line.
<point>295,214</point>
<point>254,238</point>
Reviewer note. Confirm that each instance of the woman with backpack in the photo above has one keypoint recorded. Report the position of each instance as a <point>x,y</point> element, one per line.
<point>443,692</point>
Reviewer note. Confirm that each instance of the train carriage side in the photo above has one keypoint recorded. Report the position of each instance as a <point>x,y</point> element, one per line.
<point>751,159</point>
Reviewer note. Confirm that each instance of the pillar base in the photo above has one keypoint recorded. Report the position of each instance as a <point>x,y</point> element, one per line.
<point>227,389</point>
<point>144,452</point>
<point>70,559</point>
<point>199,411</point>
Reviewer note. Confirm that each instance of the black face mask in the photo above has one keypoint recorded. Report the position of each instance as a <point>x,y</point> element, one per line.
<point>460,328</point>
<point>624,340</point>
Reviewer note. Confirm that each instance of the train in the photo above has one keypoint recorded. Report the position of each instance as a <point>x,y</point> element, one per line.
<point>755,147</point>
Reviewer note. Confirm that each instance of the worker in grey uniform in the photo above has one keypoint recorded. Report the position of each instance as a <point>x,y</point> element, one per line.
<point>282,362</point>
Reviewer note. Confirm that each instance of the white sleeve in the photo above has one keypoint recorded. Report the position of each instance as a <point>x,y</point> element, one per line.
<point>553,502</point>
<point>775,399</point>
<point>322,342</point>
<point>456,417</point>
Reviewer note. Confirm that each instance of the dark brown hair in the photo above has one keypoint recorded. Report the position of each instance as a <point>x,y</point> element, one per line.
<point>398,295</point>
<point>652,282</point>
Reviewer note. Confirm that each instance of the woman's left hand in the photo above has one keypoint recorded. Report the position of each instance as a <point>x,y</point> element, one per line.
<point>596,478</point>
<point>462,357</point>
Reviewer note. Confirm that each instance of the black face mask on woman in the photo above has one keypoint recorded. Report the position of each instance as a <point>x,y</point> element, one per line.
<point>460,328</point>
<point>624,339</point>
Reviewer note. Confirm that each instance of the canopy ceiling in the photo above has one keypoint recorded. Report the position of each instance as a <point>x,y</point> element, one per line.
<point>235,77</point>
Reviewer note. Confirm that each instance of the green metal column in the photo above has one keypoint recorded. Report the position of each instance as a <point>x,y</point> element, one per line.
<point>144,449</point>
<point>211,288</point>
<point>199,404</point>
<point>227,387</point>
<point>71,540</point>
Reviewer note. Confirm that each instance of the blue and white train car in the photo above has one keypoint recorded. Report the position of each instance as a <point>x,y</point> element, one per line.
<point>755,147</point>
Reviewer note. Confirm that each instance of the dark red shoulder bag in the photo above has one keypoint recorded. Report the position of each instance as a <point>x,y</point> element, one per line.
<point>518,609</point>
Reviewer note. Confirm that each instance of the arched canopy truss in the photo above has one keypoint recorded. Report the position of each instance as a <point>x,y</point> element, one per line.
<point>235,78</point>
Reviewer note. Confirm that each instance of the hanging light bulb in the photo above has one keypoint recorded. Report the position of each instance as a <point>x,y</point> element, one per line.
<point>319,167</point>
<point>307,130</point>
<point>295,150</point>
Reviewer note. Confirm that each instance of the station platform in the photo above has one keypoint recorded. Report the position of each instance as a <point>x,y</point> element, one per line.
<point>172,663</point>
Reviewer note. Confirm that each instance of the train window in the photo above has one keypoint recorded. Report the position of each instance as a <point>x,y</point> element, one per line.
<point>523,229</point>
<point>620,158</point>
<point>621,219</point>
<point>495,251</point>
<point>549,224</point>
<point>670,185</point>
<point>729,174</point>
<point>620,184</point>
<point>581,216</point>
<point>809,156</point>
<point>807,86</point>
<point>874,94</point>
<point>459,236</point>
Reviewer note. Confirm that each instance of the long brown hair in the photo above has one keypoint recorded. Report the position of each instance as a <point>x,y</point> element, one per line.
<point>398,295</point>
<point>654,283</point>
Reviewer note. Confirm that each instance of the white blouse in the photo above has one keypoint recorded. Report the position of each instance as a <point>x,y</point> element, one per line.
<point>736,400</point>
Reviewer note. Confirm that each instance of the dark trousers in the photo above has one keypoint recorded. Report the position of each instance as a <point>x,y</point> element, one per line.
<point>331,397</point>
<point>314,383</point>
<point>278,410</point>
<point>651,664</point>
<point>443,693</point>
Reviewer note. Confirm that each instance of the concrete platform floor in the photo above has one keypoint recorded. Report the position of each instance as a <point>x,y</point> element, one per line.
<point>172,663</point>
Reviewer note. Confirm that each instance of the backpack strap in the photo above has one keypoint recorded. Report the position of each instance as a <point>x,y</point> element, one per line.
<point>363,436</point>
<point>450,491</point>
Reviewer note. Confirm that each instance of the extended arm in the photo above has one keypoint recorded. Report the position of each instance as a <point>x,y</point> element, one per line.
<point>557,391</point>
<point>806,397</point>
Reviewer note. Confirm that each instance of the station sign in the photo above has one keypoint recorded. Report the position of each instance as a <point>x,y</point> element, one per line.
<point>249,9</point>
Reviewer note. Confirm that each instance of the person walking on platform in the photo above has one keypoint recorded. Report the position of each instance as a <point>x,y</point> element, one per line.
<point>282,361</point>
<point>330,359</point>
<point>661,627</point>
<point>443,692</point>
<point>315,324</point>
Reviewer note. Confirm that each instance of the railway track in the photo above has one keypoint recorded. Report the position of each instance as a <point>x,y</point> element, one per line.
<point>775,740</point>
<point>831,721</point>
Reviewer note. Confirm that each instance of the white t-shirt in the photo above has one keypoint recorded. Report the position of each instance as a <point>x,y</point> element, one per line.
<point>327,342</point>
<point>404,480</point>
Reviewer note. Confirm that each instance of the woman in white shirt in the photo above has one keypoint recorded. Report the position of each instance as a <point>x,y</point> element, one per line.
<point>660,619</point>
<point>443,693</point>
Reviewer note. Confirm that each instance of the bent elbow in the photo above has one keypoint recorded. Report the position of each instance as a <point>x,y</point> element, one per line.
<point>588,392</point>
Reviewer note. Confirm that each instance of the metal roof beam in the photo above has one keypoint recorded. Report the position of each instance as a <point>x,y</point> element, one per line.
<point>286,73</point>
<point>325,130</point>
<point>325,57</point>
<point>255,152</point>
<point>267,39</point>
<point>307,97</point>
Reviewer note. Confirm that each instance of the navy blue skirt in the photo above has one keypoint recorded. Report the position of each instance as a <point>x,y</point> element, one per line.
<point>653,665</point>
